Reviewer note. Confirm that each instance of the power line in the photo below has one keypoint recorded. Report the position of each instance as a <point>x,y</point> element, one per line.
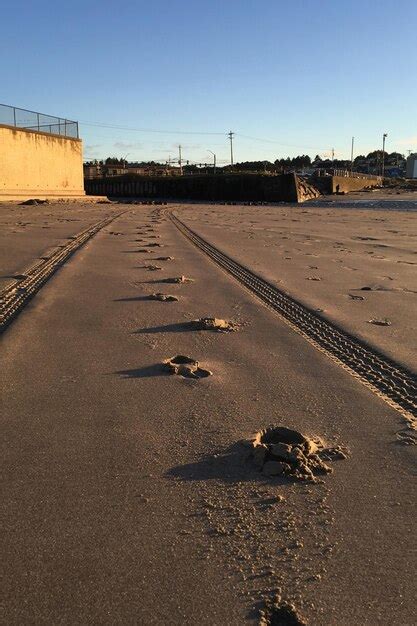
<point>197,133</point>
<point>280,143</point>
<point>147,130</point>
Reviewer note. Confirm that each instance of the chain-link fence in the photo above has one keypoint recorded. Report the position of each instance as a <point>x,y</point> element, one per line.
<point>31,120</point>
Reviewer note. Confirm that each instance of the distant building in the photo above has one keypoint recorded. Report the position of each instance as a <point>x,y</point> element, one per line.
<point>151,170</point>
<point>411,169</point>
<point>115,170</point>
<point>97,170</point>
<point>92,171</point>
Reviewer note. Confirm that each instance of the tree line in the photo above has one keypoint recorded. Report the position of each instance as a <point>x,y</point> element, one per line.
<point>299,162</point>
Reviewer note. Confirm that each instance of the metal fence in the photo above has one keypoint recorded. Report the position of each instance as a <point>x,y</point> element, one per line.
<point>31,120</point>
<point>329,171</point>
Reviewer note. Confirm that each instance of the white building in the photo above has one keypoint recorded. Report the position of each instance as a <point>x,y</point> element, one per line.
<point>411,171</point>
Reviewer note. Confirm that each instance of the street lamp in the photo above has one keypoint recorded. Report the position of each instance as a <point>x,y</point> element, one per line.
<point>384,136</point>
<point>214,169</point>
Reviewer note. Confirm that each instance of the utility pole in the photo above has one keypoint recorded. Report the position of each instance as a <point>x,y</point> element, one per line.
<point>179,159</point>
<point>214,168</point>
<point>384,136</point>
<point>230,135</point>
<point>124,160</point>
<point>351,155</point>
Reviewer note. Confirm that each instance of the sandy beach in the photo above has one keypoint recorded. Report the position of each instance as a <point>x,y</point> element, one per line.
<point>355,266</point>
<point>129,496</point>
<point>27,232</point>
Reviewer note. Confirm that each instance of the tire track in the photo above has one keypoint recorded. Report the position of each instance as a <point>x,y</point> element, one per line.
<point>389,380</point>
<point>15,296</point>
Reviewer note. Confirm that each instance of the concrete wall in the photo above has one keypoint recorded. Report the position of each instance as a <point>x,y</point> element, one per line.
<point>37,165</point>
<point>305,190</point>
<point>222,187</point>
<point>335,184</point>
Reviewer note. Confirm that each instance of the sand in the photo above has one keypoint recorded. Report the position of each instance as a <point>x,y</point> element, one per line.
<point>356,267</point>
<point>27,232</point>
<point>128,495</point>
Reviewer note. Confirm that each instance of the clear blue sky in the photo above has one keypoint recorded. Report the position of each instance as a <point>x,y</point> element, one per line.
<point>306,74</point>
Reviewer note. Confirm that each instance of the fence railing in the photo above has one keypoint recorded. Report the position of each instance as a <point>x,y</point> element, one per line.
<point>32,120</point>
<point>345,173</point>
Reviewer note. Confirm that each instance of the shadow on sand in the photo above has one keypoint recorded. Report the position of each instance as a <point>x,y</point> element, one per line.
<point>231,466</point>
<point>136,299</point>
<point>141,251</point>
<point>181,327</point>
<point>157,281</point>
<point>144,372</point>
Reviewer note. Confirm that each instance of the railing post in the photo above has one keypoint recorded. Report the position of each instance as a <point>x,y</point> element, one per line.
<point>30,124</point>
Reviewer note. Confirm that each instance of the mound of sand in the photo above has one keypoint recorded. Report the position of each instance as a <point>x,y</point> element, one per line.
<point>380,322</point>
<point>214,323</point>
<point>185,366</point>
<point>283,451</point>
<point>179,279</point>
<point>35,201</point>
<point>163,297</point>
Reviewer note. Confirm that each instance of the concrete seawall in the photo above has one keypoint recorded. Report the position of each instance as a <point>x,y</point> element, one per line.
<point>338,184</point>
<point>35,164</point>
<point>234,187</point>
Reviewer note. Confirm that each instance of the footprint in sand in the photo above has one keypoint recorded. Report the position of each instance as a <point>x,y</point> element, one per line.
<point>283,451</point>
<point>163,297</point>
<point>407,436</point>
<point>185,366</point>
<point>383,288</point>
<point>283,613</point>
<point>214,323</point>
<point>179,280</point>
<point>380,322</point>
